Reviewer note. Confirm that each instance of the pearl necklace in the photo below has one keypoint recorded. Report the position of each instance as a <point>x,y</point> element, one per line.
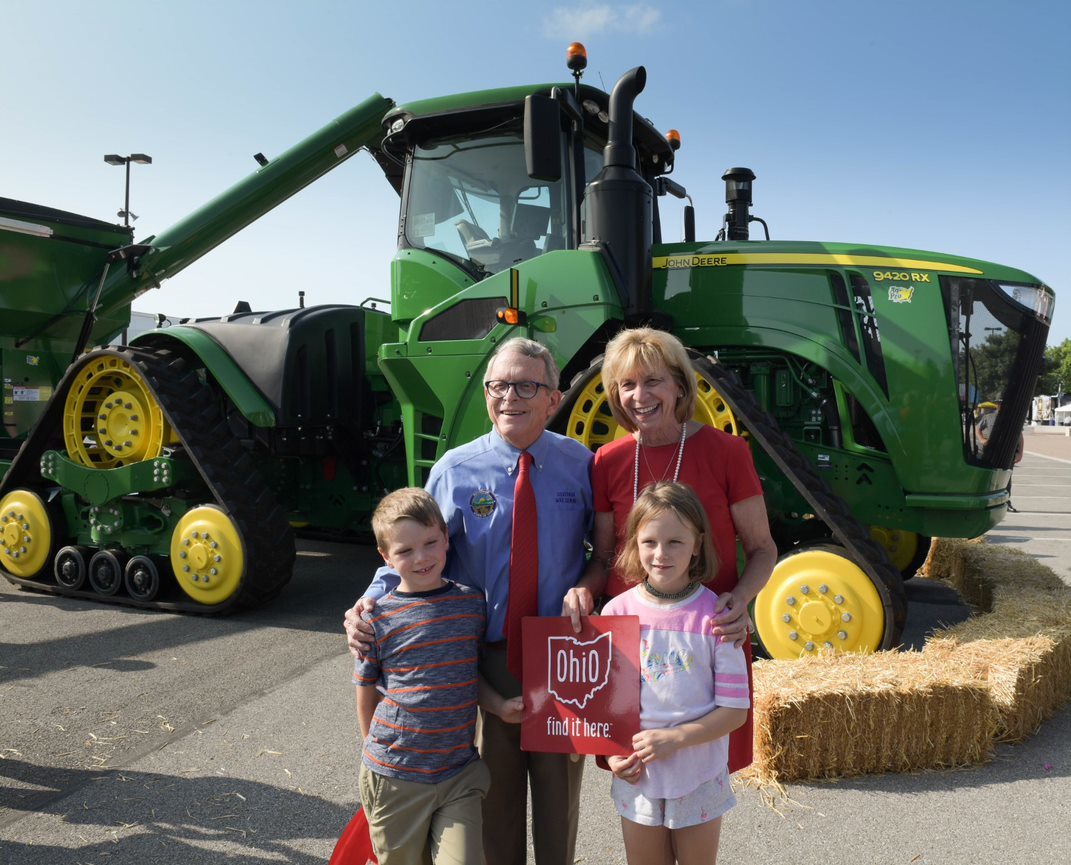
<point>636,462</point>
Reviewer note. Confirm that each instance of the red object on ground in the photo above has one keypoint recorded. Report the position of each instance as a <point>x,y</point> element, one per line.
<point>355,845</point>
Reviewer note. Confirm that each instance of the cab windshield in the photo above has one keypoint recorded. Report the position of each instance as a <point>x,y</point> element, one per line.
<point>474,201</point>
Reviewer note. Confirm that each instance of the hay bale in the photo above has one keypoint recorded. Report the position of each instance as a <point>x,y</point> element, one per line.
<point>838,715</point>
<point>1021,649</point>
<point>997,675</point>
<point>1027,678</point>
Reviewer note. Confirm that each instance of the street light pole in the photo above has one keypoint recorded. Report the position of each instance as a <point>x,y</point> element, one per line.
<point>116,159</point>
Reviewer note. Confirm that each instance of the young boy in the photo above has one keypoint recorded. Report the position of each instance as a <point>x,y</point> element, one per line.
<point>422,782</point>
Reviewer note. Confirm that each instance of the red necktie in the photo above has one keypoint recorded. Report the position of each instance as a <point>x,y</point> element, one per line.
<point>523,563</point>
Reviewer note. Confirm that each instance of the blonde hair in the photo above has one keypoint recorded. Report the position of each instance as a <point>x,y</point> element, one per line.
<point>667,497</point>
<point>408,503</point>
<point>644,348</point>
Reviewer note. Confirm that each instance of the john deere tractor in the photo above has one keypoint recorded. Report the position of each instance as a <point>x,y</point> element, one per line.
<point>171,472</point>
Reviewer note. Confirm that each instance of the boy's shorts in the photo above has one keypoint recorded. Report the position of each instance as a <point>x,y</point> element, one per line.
<point>407,818</point>
<point>707,802</point>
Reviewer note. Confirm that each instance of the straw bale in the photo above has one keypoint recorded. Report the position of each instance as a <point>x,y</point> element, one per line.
<point>943,556</point>
<point>839,715</point>
<point>1021,649</point>
<point>1028,678</point>
<point>998,675</point>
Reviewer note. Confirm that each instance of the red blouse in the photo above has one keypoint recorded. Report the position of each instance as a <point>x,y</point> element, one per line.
<point>716,465</point>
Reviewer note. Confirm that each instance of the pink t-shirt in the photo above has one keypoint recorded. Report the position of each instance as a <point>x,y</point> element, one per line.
<point>685,674</point>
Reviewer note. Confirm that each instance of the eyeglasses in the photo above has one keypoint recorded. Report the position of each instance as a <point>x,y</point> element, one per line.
<point>524,389</point>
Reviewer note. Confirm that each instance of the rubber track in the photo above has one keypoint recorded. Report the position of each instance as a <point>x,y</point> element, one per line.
<point>226,467</point>
<point>830,508</point>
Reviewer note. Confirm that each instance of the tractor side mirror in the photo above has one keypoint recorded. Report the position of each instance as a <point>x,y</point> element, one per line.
<point>542,138</point>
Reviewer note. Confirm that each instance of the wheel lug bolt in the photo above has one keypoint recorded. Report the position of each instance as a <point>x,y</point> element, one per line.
<point>827,644</point>
<point>846,617</point>
<point>838,599</point>
<point>197,534</point>
<point>823,589</point>
<point>805,590</point>
<point>213,571</point>
<point>218,559</point>
<point>786,618</point>
<point>791,602</point>
<point>793,635</point>
<point>214,544</point>
<point>186,570</point>
<point>809,646</point>
<point>182,554</point>
<point>843,635</point>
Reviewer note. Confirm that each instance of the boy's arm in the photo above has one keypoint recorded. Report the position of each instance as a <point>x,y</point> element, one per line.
<point>368,697</point>
<point>367,676</point>
<point>491,701</point>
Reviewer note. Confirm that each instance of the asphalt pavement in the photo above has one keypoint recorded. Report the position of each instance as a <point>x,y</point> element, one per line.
<point>130,737</point>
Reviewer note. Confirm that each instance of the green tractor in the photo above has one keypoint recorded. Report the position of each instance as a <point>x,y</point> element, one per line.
<point>172,472</point>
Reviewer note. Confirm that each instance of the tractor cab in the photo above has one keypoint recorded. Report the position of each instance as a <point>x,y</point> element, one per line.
<point>492,179</point>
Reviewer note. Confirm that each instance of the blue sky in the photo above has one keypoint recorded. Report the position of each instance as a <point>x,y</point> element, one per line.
<point>940,125</point>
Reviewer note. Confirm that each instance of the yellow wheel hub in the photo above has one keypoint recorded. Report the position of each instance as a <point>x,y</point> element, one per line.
<point>111,418</point>
<point>25,533</point>
<point>592,424</point>
<point>207,555</point>
<point>901,546</point>
<point>819,599</point>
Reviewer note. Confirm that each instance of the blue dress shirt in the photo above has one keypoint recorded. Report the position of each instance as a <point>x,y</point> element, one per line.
<point>473,485</point>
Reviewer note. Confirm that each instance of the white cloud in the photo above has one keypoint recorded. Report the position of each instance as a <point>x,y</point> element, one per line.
<point>587,20</point>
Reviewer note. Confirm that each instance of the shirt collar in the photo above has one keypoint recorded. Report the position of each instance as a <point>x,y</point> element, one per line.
<point>511,456</point>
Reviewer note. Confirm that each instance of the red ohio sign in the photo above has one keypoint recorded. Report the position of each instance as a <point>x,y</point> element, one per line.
<point>581,691</point>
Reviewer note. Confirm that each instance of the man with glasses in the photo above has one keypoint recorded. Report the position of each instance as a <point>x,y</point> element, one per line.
<point>476,485</point>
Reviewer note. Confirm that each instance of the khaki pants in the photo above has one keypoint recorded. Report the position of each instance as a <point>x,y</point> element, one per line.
<point>413,824</point>
<point>554,779</point>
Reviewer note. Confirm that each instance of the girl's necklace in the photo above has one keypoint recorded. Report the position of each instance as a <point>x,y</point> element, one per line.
<point>636,463</point>
<point>670,596</point>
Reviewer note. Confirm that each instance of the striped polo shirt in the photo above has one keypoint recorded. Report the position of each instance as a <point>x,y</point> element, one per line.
<point>424,660</point>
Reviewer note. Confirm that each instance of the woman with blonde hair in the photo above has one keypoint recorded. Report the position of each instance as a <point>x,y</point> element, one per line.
<point>651,388</point>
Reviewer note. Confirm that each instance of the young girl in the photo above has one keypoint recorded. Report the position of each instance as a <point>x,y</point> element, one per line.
<point>672,791</point>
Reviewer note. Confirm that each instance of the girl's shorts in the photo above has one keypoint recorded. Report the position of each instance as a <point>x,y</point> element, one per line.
<point>707,802</point>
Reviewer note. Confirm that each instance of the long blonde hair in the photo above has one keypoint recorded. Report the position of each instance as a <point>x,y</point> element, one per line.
<point>667,497</point>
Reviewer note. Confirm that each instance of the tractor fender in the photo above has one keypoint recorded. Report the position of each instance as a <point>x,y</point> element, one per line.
<point>241,391</point>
